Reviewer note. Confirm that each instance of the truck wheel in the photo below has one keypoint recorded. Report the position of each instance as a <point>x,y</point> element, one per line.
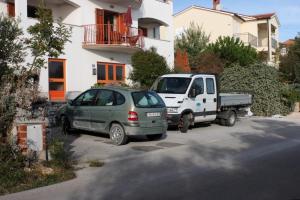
<point>117,134</point>
<point>231,120</point>
<point>184,124</point>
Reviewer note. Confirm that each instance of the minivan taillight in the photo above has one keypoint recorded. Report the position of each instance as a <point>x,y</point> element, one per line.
<point>132,116</point>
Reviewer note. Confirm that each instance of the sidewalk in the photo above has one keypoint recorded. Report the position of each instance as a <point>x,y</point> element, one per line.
<point>294,115</point>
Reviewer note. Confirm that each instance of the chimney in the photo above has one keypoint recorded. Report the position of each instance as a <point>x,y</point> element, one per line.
<point>217,4</point>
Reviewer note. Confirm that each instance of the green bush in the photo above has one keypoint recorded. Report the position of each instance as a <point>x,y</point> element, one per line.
<point>260,79</point>
<point>12,164</point>
<point>147,67</point>
<point>233,51</point>
<point>290,96</point>
<point>60,154</point>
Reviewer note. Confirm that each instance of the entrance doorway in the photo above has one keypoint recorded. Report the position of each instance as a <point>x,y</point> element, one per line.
<point>57,79</point>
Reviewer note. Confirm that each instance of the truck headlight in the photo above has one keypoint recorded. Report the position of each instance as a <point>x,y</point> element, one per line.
<point>172,110</point>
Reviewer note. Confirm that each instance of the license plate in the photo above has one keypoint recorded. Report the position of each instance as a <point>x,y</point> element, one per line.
<point>155,114</point>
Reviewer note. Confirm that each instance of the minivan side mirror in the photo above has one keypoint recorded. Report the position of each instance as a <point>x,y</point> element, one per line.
<point>70,102</point>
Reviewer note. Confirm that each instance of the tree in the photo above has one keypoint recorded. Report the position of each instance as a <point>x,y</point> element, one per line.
<point>289,67</point>
<point>147,67</point>
<point>19,80</point>
<point>208,63</point>
<point>233,51</point>
<point>11,56</point>
<point>193,40</point>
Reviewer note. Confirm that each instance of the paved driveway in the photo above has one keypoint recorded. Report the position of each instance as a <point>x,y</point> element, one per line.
<point>257,159</point>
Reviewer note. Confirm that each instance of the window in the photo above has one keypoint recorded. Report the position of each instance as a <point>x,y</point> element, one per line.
<point>56,69</point>
<point>86,99</point>
<point>110,72</point>
<point>210,86</point>
<point>198,85</point>
<point>120,99</point>
<point>105,98</point>
<point>146,99</point>
<point>172,85</point>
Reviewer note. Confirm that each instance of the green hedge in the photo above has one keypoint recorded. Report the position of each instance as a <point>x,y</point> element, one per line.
<point>260,79</point>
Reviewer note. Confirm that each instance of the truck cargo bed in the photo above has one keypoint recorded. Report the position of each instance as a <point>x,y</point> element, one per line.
<point>232,99</point>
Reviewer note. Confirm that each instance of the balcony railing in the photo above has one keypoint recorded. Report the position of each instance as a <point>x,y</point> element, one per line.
<point>109,34</point>
<point>247,38</point>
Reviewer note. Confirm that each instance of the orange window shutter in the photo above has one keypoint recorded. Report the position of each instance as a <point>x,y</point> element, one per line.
<point>11,9</point>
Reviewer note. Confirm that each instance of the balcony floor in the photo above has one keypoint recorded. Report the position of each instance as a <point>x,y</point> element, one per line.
<point>112,48</point>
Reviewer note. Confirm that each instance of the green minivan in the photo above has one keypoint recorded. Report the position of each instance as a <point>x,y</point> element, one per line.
<point>119,112</point>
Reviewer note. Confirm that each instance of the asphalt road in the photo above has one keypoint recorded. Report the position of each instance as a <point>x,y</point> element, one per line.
<point>258,159</point>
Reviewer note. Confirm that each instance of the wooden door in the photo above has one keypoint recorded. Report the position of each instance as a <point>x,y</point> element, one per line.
<point>99,26</point>
<point>57,79</point>
<point>11,9</point>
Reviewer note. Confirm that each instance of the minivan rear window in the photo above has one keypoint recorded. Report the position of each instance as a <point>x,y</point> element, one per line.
<point>146,99</point>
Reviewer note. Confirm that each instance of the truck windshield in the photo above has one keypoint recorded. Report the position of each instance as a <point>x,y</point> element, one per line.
<point>172,85</point>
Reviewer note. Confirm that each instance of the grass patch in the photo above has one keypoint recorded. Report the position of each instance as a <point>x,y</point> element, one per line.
<point>96,163</point>
<point>35,178</point>
<point>16,177</point>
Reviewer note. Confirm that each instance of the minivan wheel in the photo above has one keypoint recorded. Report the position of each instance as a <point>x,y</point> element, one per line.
<point>184,124</point>
<point>117,134</point>
<point>231,120</point>
<point>65,125</point>
<point>154,137</point>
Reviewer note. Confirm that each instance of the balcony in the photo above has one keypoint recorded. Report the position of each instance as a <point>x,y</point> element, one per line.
<point>274,43</point>
<point>107,37</point>
<point>125,3</point>
<point>247,38</point>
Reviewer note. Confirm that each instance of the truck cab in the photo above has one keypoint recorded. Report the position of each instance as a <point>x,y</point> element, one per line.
<point>189,98</point>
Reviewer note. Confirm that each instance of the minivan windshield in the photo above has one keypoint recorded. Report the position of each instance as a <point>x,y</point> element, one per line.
<point>146,99</point>
<point>172,85</point>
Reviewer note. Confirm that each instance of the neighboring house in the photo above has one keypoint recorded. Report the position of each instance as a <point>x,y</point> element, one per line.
<point>102,41</point>
<point>284,47</point>
<point>259,31</point>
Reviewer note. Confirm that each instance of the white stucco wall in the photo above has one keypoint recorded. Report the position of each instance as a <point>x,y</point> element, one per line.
<point>80,61</point>
<point>3,7</point>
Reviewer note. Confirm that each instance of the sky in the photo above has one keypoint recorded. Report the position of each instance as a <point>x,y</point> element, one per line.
<point>288,11</point>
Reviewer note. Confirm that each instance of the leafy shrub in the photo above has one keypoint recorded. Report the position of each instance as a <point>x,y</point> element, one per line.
<point>60,154</point>
<point>262,80</point>
<point>147,66</point>
<point>289,97</point>
<point>233,51</point>
<point>208,63</point>
<point>12,164</point>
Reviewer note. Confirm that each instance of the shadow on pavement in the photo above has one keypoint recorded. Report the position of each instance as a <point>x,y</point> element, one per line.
<point>234,169</point>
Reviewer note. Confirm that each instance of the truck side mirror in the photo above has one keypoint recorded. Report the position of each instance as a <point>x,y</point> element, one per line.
<point>193,93</point>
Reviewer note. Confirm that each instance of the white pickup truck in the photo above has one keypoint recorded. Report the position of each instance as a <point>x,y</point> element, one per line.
<point>193,98</point>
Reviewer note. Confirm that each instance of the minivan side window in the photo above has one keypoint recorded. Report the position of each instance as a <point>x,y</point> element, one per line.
<point>105,98</point>
<point>120,99</point>
<point>86,99</point>
<point>210,86</point>
<point>198,85</point>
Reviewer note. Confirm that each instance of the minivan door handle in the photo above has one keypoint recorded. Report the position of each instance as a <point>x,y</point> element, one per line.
<point>204,100</point>
<point>215,99</point>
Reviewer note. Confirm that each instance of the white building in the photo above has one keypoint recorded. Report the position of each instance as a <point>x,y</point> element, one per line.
<point>259,31</point>
<point>101,43</point>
